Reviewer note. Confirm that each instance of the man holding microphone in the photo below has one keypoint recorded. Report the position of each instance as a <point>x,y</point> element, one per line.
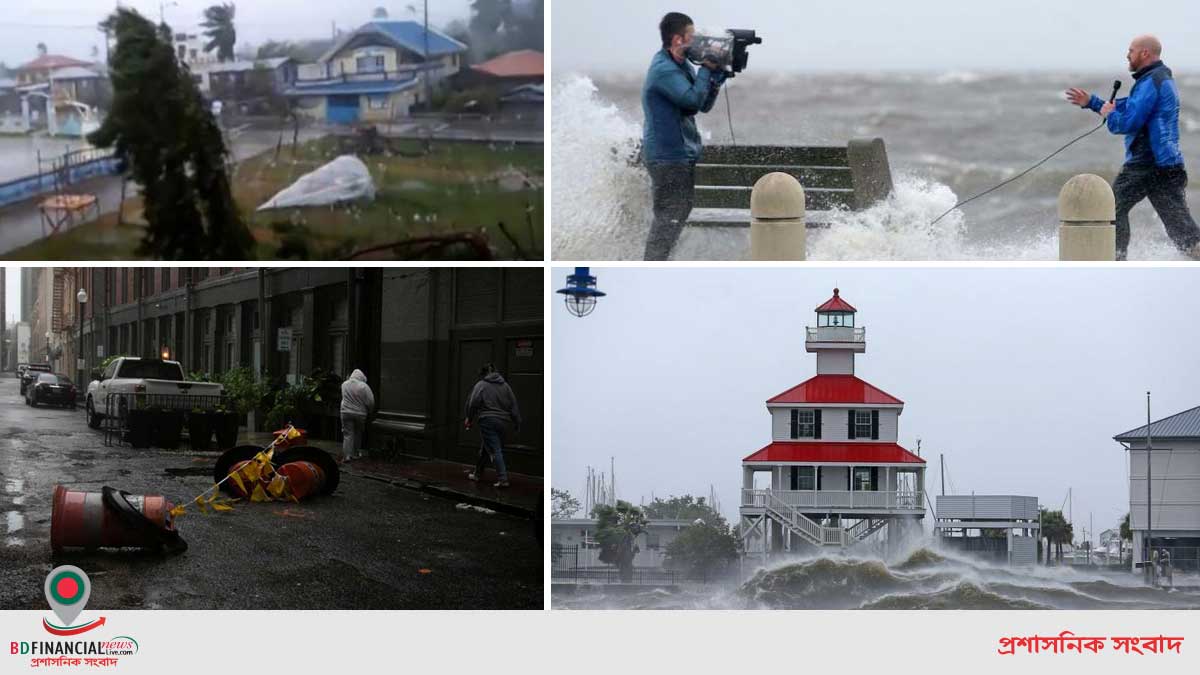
<point>1149,120</point>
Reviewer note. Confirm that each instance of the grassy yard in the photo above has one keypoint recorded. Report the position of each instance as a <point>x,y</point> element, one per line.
<point>456,188</point>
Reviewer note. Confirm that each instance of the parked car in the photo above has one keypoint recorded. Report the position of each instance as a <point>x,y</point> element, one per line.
<point>159,380</point>
<point>29,373</point>
<point>51,388</point>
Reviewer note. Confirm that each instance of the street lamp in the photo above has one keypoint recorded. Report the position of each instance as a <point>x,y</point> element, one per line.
<point>81,296</point>
<point>581,292</point>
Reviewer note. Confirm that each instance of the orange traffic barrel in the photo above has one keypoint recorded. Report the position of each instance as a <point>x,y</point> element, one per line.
<point>304,478</point>
<point>111,519</point>
<point>306,483</point>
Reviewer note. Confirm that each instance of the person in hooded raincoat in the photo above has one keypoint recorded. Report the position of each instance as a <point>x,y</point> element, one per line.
<point>492,406</point>
<point>357,403</point>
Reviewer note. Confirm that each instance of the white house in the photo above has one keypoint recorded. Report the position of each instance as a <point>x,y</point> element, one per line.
<point>833,473</point>
<point>376,72</point>
<point>1173,508</point>
<point>574,538</point>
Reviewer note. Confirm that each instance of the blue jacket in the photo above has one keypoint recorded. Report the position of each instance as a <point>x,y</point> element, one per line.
<point>1148,118</point>
<point>671,97</point>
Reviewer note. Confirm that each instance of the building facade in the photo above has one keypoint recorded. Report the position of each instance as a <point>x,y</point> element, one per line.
<point>419,334</point>
<point>376,73</point>
<point>1172,506</point>
<point>833,473</point>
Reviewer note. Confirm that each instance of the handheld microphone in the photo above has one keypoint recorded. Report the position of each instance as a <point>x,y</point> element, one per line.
<point>1116,88</point>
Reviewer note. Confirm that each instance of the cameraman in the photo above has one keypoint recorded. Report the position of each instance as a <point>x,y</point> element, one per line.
<point>672,95</point>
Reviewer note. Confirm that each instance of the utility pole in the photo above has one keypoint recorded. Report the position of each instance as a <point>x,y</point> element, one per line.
<point>428,84</point>
<point>1149,523</point>
<point>942,464</point>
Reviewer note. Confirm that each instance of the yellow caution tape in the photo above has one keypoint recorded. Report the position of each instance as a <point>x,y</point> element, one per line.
<point>237,478</point>
<point>277,486</point>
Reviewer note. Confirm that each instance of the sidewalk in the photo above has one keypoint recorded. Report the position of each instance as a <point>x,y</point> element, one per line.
<point>436,477</point>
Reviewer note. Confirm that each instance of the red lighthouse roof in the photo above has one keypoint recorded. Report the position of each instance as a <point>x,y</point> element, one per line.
<point>836,389</point>
<point>836,304</point>
<point>865,453</point>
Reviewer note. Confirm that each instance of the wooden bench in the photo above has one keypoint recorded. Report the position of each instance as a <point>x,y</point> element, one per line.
<point>853,177</point>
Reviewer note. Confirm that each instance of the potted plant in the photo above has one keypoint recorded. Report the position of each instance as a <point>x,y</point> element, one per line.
<point>200,429</point>
<point>243,392</point>
<point>226,423</point>
<point>138,425</point>
<point>167,428</point>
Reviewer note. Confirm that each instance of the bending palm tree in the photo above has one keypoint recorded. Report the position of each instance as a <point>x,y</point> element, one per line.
<point>219,29</point>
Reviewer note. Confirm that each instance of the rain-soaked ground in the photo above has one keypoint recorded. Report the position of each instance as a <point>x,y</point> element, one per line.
<point>362,548</point>
<point>923,578</point>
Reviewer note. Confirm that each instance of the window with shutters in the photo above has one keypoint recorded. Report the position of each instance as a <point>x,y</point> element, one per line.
<point>804,478</point>
<point>806,424</point>
<point>863,478</point>
<point>862,424</point>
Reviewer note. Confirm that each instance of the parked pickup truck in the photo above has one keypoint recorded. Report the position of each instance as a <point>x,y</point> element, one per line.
<point>152,381</point>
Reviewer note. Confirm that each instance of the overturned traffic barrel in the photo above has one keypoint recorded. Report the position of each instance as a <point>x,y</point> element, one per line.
<point>112,518</point>
<point>309,471</point>
<point>1087,211</point>
<point>777,229</point>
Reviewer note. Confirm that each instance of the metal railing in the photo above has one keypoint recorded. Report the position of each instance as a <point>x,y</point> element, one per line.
<point>798,521</point>
<point>611,575</point>
<point>824,499</point>
<point>118,405</point>
<point>836,334</point>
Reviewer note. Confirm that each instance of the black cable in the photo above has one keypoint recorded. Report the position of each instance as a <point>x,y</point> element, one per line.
<point>729,114</point>
<point>1047,159</point>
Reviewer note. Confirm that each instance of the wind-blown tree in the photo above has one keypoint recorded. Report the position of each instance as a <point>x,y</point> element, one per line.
<point>219,29</point>
<point>685,507</point>
<point>42,49</point>
<point>703,549</point>
<point>160,127</point>
<point>617,529</point>
<point>563,504</point>
<point>1057,531</point>
<point>379,13</point>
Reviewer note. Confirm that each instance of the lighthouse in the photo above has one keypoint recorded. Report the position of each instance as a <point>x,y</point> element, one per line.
<point>833,474</point>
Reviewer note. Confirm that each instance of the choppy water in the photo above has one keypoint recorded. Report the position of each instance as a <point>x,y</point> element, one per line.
<point>924,579</point>
<point>948,136</point>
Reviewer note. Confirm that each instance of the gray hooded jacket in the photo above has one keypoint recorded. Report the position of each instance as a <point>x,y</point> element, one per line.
<point>492,397</point>
<point>357,399</point>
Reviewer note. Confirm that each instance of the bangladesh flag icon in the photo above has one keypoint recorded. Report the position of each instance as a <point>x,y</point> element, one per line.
<point>67,591</point>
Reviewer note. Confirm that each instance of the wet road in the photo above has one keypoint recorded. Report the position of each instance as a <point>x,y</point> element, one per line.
<point>361,548</point>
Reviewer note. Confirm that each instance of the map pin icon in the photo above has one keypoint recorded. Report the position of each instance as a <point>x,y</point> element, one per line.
<point>67,591</point>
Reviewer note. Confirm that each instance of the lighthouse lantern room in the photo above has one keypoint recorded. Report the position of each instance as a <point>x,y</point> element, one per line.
<point>833,474</point>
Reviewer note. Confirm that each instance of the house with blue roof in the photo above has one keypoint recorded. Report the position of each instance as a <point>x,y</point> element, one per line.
<point>376,73</point>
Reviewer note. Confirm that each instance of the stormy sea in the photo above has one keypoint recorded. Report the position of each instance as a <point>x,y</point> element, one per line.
<point>949,136</point>
<point>923,579</point>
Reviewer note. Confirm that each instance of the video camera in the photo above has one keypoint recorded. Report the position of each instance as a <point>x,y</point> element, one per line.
<point>727,50</point>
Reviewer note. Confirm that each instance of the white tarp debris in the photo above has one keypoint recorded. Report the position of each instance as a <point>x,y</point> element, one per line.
<point>471,507</point>
<point>345,179</point>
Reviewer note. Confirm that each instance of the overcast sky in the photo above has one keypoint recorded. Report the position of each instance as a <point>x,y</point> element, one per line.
<point>1020,376</point>
<point>69,26</point>
<point>872,35</point>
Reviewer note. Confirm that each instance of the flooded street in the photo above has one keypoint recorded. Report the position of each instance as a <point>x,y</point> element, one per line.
<point>18,154</point>
<point>361,548</point>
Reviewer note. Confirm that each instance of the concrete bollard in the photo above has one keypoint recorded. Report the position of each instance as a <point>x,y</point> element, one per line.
<point>1087,210</point>
<point>777,229</point>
